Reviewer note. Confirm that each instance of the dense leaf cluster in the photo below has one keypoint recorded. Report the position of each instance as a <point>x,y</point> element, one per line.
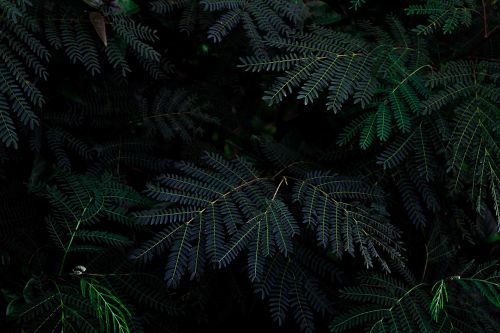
<point>230,165</point>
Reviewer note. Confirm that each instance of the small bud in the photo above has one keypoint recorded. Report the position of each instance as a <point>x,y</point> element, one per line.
<point>79,270</point>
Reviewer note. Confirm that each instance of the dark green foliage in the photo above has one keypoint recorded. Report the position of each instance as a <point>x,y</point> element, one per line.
<point>174,114</point>
<point>234,201</point>
<point>230,208</point>
<point>385,75</point>
<point>347,213</point>
<point>470,91</point>
<point>46,308</point>
<point>146,185</point>
<point>112,313</point>
<point>391,305</point>
<point>68,27</point>
<point>259,18</point>
<point>21,52</point>
<point>191,14</point>
<point>321,60</point>
<point>78,203</point>
<point>447,15</point>
<point>485,279</point>
<point>289,287</point>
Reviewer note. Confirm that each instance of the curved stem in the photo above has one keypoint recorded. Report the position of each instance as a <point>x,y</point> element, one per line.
<point>73,233</point>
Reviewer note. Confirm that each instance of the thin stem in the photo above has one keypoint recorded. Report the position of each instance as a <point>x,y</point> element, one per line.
<point>409,76</point>
<point>485,20</point>
<point>283,180</point>
<point>426,261</point>
<point>66,250</point>
<point>493,30</point>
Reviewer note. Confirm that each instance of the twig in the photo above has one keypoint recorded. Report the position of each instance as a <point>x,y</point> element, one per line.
<point>278,188</point>
<point>485,20</point>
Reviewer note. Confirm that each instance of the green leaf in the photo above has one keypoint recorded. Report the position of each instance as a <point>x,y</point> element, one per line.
<point>110,310</point>
<point>368,132</point>
<point>384,122</point>
<point>440,297</point>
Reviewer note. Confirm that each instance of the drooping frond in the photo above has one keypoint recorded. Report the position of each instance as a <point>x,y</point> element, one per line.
<point>88,44</point>
<point>89,307</point>
<point>110,310</point>
<point>449,293</point>
<point>177,113</point>
<point>290,288</point>
<point>230,208</point>
<point>447,15</point>
<point>22,64</point>
<point>470,94</point>
<point>411,201</point>
<point>396,86</point>
<point>416,144</point>
<point>389,305</point>
<point>259,18</point>
<point>60,142</point>
<point>315,62</point>
<point>77,202</point>
<point>191,15</point>
<point>213,214</point>
<point>138,38</point>
<point>227,201</point>
<point>52,308</point>
<point>386,75</point>
<point>347,214</point>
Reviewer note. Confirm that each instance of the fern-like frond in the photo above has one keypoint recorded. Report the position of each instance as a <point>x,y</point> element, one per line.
<point>66,29</point>
<point>447,15</point>
<point>411,201</point>
<point>470,95</point>
<point>418,145</point>
<point>229,208</point>
<point>23,59</point>
<point>396,86</point>
<point>167,6</point>
<point>229,199</point>
<point>485,279</point>
<point>77,202</point>
<point>321,60</point>
<point>8,133</point>
<point>60,142</point>
<point>103,237</point>
<point>175,114</point>
<point>53,308</point>
<point>290,288</point>
<point>347,213</point>
<point>389,305</point>
<point>111,311</point>
<point>386,75</point>
<point>259,18</point>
